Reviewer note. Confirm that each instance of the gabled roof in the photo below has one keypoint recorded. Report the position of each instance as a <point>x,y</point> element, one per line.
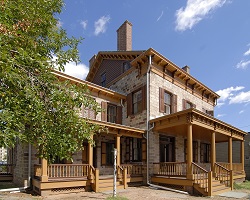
<point>91,86</point>
<point>112,55</point>
<point>160,60</point>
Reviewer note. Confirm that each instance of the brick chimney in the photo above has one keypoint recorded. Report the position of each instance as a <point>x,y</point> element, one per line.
<point>124,37</point>
<point>187,69</point>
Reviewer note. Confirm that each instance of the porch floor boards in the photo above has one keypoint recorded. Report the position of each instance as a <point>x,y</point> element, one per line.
<point>63,179</point>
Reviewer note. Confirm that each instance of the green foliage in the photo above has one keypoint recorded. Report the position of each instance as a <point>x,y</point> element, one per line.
<point>243,185</point>
<point>34,106</point>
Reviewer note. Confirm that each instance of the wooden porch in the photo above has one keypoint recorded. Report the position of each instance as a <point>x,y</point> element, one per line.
<point>208,183</point>
<point>195,125</point>
<point>81,177</point>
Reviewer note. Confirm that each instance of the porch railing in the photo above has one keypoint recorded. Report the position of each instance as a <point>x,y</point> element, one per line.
<point>236,167</point>
<point>68,170</point>
<point>6,169</point>
<point>223,174</point>
<point>200,176</point>
<point>170,168</point>
<point>133,169</point>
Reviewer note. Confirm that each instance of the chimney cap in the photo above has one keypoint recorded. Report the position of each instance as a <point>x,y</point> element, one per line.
<point>126,22</point>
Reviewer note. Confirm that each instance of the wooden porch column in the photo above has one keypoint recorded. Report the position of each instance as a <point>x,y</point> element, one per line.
<point>242,158</point>
<point>230,153</point>
<point>44,175</point>
<point>90,152</point>
<point>189,151</point>
<point>213,151</point>
<point>118,147</point>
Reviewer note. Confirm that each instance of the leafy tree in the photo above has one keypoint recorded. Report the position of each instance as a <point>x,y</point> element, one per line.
<point>35,106</point>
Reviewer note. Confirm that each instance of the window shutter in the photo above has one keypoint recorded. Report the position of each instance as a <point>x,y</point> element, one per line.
<point>119,115</point>
<point>174,103</point>
<point>104,110</point>
<point>161,100</point>
<point>129,104</point>
<point>184,104</point>
<point>210,112</point>
<point>202,153</point>
<point>104,154</point>
<point>144,150</point>
<point>85,154</point>
<point>144,97</point>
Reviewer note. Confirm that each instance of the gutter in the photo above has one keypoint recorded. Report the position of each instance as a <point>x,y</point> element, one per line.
<point>29,167</point>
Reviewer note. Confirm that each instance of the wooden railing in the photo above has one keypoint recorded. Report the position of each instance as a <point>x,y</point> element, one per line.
<point>68,170</point>
<point>223,174</point>
<point>122,175</point>
<point>6,169</point>
<point>132,169</point>
<point>236,167</point>
<point>170,168</point>
<point>201,176</point>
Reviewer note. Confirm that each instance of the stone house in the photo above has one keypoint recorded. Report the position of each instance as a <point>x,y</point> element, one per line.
<point>160,120</point>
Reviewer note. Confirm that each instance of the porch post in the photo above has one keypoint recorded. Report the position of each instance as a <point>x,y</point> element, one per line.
<point>118,145</point>
<point>230,153</point>
<point>213,151</point>
<point>242,154</point>
<point>189,151</point>
<point>44,175</point>
<point>90,152</point>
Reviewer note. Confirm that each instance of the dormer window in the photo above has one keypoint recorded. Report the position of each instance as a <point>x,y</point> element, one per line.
<point>103,79</point>
<point>126,66</point>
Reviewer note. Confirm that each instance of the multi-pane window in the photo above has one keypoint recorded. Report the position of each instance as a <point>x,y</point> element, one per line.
<point>137,102</point>
<point>107,152</point>
<point>112,113</point>
<point>134,150</point>
<point>205,153</point>
<point>103,79</point>
<point>188,105</point>
<point>167,102</point>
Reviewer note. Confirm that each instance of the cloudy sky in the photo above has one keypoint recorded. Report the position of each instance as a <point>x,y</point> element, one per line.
<point>212,37</point>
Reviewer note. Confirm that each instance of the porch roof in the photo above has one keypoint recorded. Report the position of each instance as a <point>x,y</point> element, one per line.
<point>119,129</point>
<point>203,126</point>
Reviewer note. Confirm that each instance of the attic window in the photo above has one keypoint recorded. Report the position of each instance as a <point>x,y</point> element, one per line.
<point>103,79</point>
<point>126,66</point>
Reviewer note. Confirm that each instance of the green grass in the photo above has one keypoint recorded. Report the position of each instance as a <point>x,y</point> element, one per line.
<point>244,185</point>
<point>116,198</point>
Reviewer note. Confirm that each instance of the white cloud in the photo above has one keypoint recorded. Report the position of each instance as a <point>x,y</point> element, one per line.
<point>160,16</point>
<point>59,24</point>
<point>243,64</point>
<point>80,70</point>
<point>228,92</point>
<point>194,12</point>
<point>243,97</point>
<point>241,111</point>
<point>101,25</point>
<point>221,115</point>
<point>247,53</point>
<point>84,24</point>
<point>219,104</point>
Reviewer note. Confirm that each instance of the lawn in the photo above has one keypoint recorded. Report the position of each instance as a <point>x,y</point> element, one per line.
<point>244,185</point>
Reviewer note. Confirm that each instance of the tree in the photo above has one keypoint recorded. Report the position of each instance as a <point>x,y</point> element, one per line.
<point>34,106</point>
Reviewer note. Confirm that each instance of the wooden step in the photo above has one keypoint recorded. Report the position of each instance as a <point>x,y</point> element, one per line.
<point>221,190</point>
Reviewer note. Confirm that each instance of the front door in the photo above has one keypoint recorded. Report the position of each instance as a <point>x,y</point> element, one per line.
<point>167,149</point>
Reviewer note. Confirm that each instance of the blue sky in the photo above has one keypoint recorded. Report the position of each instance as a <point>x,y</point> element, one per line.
<point>210,36</point>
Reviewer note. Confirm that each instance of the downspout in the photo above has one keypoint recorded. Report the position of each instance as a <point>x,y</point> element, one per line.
<point>148,129</point>
<point>29,167</point>
<point>148,108</point>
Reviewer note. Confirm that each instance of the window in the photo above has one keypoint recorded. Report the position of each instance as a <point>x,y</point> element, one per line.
<point>112,113</point>
<point>167,148</point>
<point>137,102</point>
<point>205,153</point>
<point>209,112</point>
<point>187,104</point>
<point>88,112</point>
<point>167,101</point>
<point>107,152</point>
<point>133,149</point>
<point>126,66</point>
<point>103,79</point>
<point>195,150</point>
